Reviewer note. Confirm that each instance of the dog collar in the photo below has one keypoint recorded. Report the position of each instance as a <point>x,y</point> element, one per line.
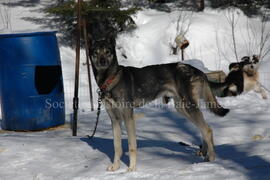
<point>110,82</point>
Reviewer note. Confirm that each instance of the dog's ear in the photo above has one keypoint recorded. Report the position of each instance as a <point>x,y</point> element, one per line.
<point>234,66</point>
<point>255,59</point>
<point>245,59</point>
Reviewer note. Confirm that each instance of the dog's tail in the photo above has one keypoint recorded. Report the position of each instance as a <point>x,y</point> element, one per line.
<point>218,88</point>
<point>211,101</point>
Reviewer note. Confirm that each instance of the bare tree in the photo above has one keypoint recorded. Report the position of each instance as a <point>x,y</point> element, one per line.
<point>257,39</point>
<point>265,38</point>
<point>5,15</point>
<point>182,27</point>
<point>201,5</point>
<point>183,22</point>
<point>222,50</point>
<point>232,19</point>
<point>254,35</point>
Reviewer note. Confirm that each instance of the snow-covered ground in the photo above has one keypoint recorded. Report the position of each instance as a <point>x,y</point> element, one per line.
<point>242,138</point>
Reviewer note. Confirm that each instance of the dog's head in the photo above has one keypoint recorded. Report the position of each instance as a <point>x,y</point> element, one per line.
<point>102,54</point>
<point>246,64</point>
<point>239,65</point>
<point>251,67</point>
<point>234,67</point>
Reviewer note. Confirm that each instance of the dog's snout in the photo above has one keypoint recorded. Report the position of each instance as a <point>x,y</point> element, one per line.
<point>102,61</point>
<point>251,66</point>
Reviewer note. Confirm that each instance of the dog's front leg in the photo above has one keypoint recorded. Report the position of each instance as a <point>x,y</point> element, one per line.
<point>132,144</point>
<point>263,93</point>
<point>116,125</point>
<point>260,90</point>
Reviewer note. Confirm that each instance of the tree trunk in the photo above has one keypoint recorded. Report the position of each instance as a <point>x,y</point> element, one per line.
<point>201,5</point>
<point>182,54</point>
<point>161,1</point>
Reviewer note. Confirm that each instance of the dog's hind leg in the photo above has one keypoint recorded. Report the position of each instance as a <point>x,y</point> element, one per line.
<point>191,111</point>
<point>131,131</point>
<point>116,126</point>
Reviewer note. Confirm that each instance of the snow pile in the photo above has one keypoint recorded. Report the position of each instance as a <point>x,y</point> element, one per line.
<point>209,36</point>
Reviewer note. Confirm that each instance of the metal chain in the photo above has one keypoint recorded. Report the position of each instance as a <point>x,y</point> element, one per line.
<point>100,96</point>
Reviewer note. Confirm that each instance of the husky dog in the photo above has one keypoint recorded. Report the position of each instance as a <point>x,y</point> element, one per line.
<point>243,77</point>
<point>124,88</point>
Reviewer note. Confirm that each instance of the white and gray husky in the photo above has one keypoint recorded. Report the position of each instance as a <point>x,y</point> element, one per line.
<point>135,86</point>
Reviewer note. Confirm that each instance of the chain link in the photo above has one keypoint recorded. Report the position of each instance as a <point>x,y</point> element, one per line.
<point>100,97</point>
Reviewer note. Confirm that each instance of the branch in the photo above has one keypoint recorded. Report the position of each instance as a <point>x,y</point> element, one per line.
<point>5,13</point>
<point>233,22</point>
<point>181,28</point>
<point>219,49</point>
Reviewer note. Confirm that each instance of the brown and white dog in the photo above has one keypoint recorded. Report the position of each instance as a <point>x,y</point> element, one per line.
<point>243,77</point>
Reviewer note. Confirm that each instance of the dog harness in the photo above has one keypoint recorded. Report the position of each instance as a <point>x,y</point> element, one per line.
<point>107,83</point>
<point>110,82</point>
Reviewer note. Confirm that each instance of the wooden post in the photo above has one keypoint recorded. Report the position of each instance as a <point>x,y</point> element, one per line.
<point>88,64</point>
<point>182,43</point>
<point>77,70</point>
<point>201,5</point>
<point>182,54</point>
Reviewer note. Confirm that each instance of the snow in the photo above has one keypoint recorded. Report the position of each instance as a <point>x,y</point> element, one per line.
<point>242,138</point>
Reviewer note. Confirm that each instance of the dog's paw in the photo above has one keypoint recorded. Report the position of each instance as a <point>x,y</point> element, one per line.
<point>203,151</point>
<point>207,157</point>
<point>138,116</point>
<point>113,167</point>
<point>131,169</point>
<point>210,158</point>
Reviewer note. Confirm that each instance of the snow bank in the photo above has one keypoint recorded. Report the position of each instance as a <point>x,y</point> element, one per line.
<point>209,35</point>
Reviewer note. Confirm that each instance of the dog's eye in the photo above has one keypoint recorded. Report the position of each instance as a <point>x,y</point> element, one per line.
<point>254,62</point>
<point>108,51</point>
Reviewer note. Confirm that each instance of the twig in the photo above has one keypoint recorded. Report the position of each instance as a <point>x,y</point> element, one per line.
<point>233,22</point>
<point>5,14</point>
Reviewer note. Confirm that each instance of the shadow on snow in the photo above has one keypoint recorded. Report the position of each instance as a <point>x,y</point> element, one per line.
<point>228,156</point>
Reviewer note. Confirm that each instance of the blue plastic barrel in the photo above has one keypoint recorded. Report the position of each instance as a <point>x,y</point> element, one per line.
<point>31,85</point>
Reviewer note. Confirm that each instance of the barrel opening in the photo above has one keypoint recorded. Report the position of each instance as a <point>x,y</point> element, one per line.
<point>47,78</point>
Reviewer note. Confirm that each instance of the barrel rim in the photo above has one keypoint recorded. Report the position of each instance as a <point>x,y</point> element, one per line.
<point>27,34</point>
